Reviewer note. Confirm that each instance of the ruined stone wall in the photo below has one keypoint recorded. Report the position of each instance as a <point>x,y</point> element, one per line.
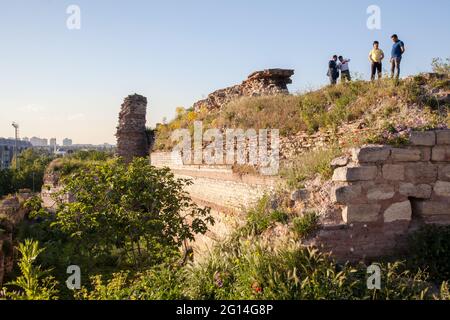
<point>132,137</point>
<point>217,185</point>
<point>260,83</point>
<point>384,193</point>
<point>12,213</point>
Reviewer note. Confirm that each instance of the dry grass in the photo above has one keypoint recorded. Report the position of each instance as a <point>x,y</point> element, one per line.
<point>324,109</point>
<point>308,165</point>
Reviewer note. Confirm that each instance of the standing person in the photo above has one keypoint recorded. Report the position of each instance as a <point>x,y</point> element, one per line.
<point>345,70</point>
<point>398,49</point>
<point>333,72</point>
<point>376,56</point>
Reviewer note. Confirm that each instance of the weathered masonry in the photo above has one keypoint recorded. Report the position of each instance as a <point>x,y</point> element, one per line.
<point>12,212</point>
<point>133,140</point>
<point>260,83</point>
<point>216,185</point>
<point>384,193</point>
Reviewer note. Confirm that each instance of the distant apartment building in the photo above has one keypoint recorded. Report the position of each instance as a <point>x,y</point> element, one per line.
<point>53,142</point>
<point>7,151</point>
<point>67,142</point>
<point>38,142</point>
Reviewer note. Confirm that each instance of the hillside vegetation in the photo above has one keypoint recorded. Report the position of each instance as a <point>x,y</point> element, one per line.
<point>381,106</point>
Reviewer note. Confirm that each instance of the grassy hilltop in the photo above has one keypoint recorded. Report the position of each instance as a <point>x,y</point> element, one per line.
<point>382,105</point>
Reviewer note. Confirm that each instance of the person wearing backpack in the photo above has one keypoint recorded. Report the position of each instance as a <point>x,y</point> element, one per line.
<point>398,49</point>
<point>333,72</point>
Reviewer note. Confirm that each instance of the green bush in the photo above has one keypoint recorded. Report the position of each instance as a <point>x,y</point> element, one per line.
<point>29,175</point>
<point>136,210</point>
<point>249,269</point>
<point>262,217</point>
<point>429,249</point>
<point>444,293</point>
<point>441,66</point>
<point>307,165</point>
<point>163,282</point>
<point>304,226</point>
<point>33,283</point>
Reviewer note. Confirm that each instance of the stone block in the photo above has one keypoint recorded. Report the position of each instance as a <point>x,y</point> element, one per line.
<point>425,153</point>
<point>361,213</point>
<point>380,192</point>
<point>339,162</point>
<point>394,172</point>
<point>444,173</point>
<point>443,137</point>
<point>346,194</point>
<point>398,211</point>
<point>442,189</point>
<point>421,173</point>
<point>371,153</point>
<point>421,191</point>
<point>300,195</point>
<point>406,155</point>
<point>427,138</point>
<point>432,208</point>
<point>351,174</point>
<point>441,153</point>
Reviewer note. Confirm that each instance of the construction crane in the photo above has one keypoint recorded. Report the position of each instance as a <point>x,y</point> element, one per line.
<point>16,142</point>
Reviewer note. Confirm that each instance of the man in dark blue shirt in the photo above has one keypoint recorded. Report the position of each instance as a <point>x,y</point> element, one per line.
<point>398,49</point>
<point>333,72</point>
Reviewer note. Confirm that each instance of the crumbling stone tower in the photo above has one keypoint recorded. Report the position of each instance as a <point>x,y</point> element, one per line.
<point>132,137</point>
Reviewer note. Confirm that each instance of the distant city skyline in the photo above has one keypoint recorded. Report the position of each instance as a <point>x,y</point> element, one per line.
<point>38,141</point>
<point>58,82</point>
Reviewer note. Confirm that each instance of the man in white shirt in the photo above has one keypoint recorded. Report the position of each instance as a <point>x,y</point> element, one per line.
<point>345,70</point>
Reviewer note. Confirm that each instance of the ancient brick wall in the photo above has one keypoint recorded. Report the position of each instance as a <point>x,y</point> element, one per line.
<point>132,137</point>
<point>217,185</point>
<point>12,213</point>
<point>384,193</point>
<point>260,83</point>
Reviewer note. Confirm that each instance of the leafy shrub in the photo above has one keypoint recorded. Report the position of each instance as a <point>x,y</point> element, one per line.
<point>397,283</point>
<point>29,175</point>
<point>249,269</point>
<point>444,293</point>
<point>160,283</point>
<point>33,283</point>
<point>136,213</point>
<point>429,249</point>
<point>441,66</point>
<point>304,226</point>
<point>307,165</point>
<point>262,217</point>
<point>90,155</point>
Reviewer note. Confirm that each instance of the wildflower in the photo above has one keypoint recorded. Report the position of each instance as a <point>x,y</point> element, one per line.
<point>218,280</point>
<point>257,288</point>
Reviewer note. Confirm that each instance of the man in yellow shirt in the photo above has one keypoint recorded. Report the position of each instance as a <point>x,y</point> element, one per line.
<point>376,57</point>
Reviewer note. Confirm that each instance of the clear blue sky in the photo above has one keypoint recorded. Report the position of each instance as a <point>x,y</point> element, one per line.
<point>61,83</point>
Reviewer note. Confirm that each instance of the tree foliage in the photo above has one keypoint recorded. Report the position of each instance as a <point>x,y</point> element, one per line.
<point>33,283</point>
<point>28,175</point>
<point>136,211</point>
